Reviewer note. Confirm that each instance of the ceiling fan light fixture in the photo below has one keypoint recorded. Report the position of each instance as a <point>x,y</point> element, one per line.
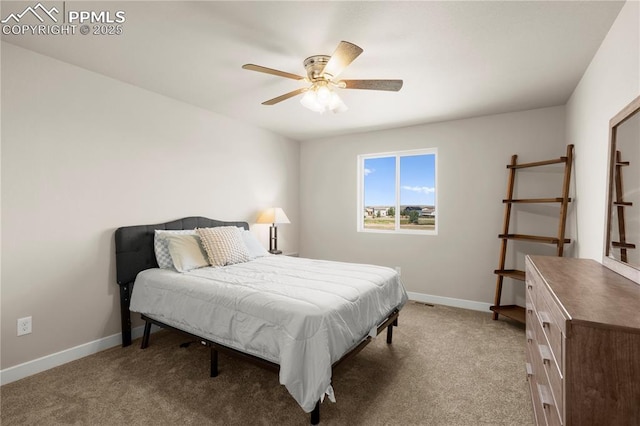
<point>310,101</point>
<point>322,72</point>
<point>321,98</point>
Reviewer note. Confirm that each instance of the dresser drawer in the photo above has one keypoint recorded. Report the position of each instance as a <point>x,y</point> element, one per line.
<point>538,411</point>
<point>550,413</point>
<point>533,282</point>
<point>550,331</point>
<point>553,379</point>
<point>543,297</point>
<point>540,295</point>
<point>545,406</point>
<point>546,364</point>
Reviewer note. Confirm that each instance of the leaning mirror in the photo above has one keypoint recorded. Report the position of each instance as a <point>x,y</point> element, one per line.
<point>622,245</point>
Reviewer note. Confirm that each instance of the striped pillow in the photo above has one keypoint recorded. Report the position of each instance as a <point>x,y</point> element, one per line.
<point>224,245</point>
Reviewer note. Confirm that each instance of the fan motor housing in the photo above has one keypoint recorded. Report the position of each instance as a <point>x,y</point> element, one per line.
<point>314,66</point>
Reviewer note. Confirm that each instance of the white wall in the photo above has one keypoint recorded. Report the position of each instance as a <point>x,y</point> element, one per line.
<point>611,82</point>
<point>83,154</point>
<point>472,177</point>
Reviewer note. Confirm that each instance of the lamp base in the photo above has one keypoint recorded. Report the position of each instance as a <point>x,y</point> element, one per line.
<point>275,251</point>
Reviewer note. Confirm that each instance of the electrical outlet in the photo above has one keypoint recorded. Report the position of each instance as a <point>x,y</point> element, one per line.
<point>24,326</point>
<point>399,270</point>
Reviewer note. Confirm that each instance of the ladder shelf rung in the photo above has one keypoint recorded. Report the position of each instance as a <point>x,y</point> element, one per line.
<point>514,312</point>
<point>536,238</point>
<point>511,273</point>
<point>622,163</point>
<point>623,203</point>
<point>618,244</point>
<point>536,200</point>
<point>537,163</point>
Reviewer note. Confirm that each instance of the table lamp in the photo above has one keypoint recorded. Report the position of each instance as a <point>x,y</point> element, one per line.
<point>273,215</point>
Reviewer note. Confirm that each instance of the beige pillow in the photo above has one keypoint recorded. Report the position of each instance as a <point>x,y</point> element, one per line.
<point>186,252</point>
<point>224,245</point>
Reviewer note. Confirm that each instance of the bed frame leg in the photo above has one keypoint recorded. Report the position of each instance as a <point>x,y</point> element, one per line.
<point>145,335</point>
<point>315,414</point>
<point>390,330</point>
<point>125,315</point>
<point>214,362</point>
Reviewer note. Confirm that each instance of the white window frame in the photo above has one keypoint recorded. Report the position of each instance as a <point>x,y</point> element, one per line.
<point>360,191</point>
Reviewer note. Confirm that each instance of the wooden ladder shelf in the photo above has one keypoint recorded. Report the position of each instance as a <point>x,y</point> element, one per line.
<point>620,204</point>
<point>513,311</point>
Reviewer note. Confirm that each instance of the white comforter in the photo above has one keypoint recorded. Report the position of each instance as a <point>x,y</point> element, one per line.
<point>302,314</point>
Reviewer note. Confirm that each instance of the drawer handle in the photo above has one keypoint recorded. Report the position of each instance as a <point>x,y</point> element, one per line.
<point>544,317</point>
<point>545,396</point>
<point>529,286</point>
<point>545,354</point>
<point>529,370</point>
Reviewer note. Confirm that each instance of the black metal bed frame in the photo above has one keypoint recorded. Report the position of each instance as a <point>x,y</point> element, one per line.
<point>389,323</point>
<point>135,253</point>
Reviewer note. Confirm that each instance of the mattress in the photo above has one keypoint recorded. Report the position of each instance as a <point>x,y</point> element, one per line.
<point>302,314</point>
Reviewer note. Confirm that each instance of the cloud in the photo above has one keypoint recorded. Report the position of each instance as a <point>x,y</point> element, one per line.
<point>368,171</point>
<point>420,189</point>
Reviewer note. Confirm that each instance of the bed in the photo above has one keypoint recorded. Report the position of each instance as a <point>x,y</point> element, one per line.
<point>298,317</point>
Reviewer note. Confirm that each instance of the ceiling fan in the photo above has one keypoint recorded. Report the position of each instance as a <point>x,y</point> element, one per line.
<point>322,73</point>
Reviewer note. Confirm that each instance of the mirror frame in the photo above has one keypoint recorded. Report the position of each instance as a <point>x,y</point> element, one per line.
<point>629,271</point>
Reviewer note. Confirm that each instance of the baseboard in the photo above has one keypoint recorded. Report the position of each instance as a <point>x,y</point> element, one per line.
<point>47,362</point>
<point>449,301</point>
<point>30,368</point>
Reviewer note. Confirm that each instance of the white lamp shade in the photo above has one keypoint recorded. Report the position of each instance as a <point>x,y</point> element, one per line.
<point>309,101</point>
<point>336,104</point>
<point>273,215</point>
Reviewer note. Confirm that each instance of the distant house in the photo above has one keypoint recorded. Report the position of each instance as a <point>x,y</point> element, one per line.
<point>380,211</point>
<point>376,211</point>
<point>428,212</point>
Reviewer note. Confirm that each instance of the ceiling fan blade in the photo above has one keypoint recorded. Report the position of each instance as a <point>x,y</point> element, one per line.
<point>390,85</point>
<point>285,96</point>
<point>271,71</point>
<point>344,54</point>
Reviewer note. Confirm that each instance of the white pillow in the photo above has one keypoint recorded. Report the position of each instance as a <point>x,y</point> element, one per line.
<point>186,252</point>
<point>161,247</point>
<point>254,247</point>
<point>224,245</point>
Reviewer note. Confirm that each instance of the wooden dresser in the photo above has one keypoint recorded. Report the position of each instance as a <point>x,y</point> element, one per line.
<point>583,343</point>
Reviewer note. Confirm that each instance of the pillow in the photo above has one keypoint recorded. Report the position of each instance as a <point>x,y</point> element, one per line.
<point>254,247</point>
<point>224,245</point>
<point>186,252</point>
<point>161,247</point>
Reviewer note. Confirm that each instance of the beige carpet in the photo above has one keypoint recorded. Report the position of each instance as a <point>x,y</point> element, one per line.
<point>446,366</point>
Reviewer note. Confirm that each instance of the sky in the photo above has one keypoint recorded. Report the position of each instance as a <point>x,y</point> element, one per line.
<point>417,180</point>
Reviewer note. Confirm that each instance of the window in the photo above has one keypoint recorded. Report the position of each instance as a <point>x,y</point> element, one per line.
<point>397,192</point>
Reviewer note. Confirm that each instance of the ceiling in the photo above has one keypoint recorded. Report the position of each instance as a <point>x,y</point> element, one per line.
<point>457,59</point>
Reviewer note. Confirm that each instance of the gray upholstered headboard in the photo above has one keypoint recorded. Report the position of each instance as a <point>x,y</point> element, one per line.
<point>134,253</point>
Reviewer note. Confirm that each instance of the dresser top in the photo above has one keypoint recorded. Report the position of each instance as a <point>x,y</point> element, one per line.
<point>590,292</point>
